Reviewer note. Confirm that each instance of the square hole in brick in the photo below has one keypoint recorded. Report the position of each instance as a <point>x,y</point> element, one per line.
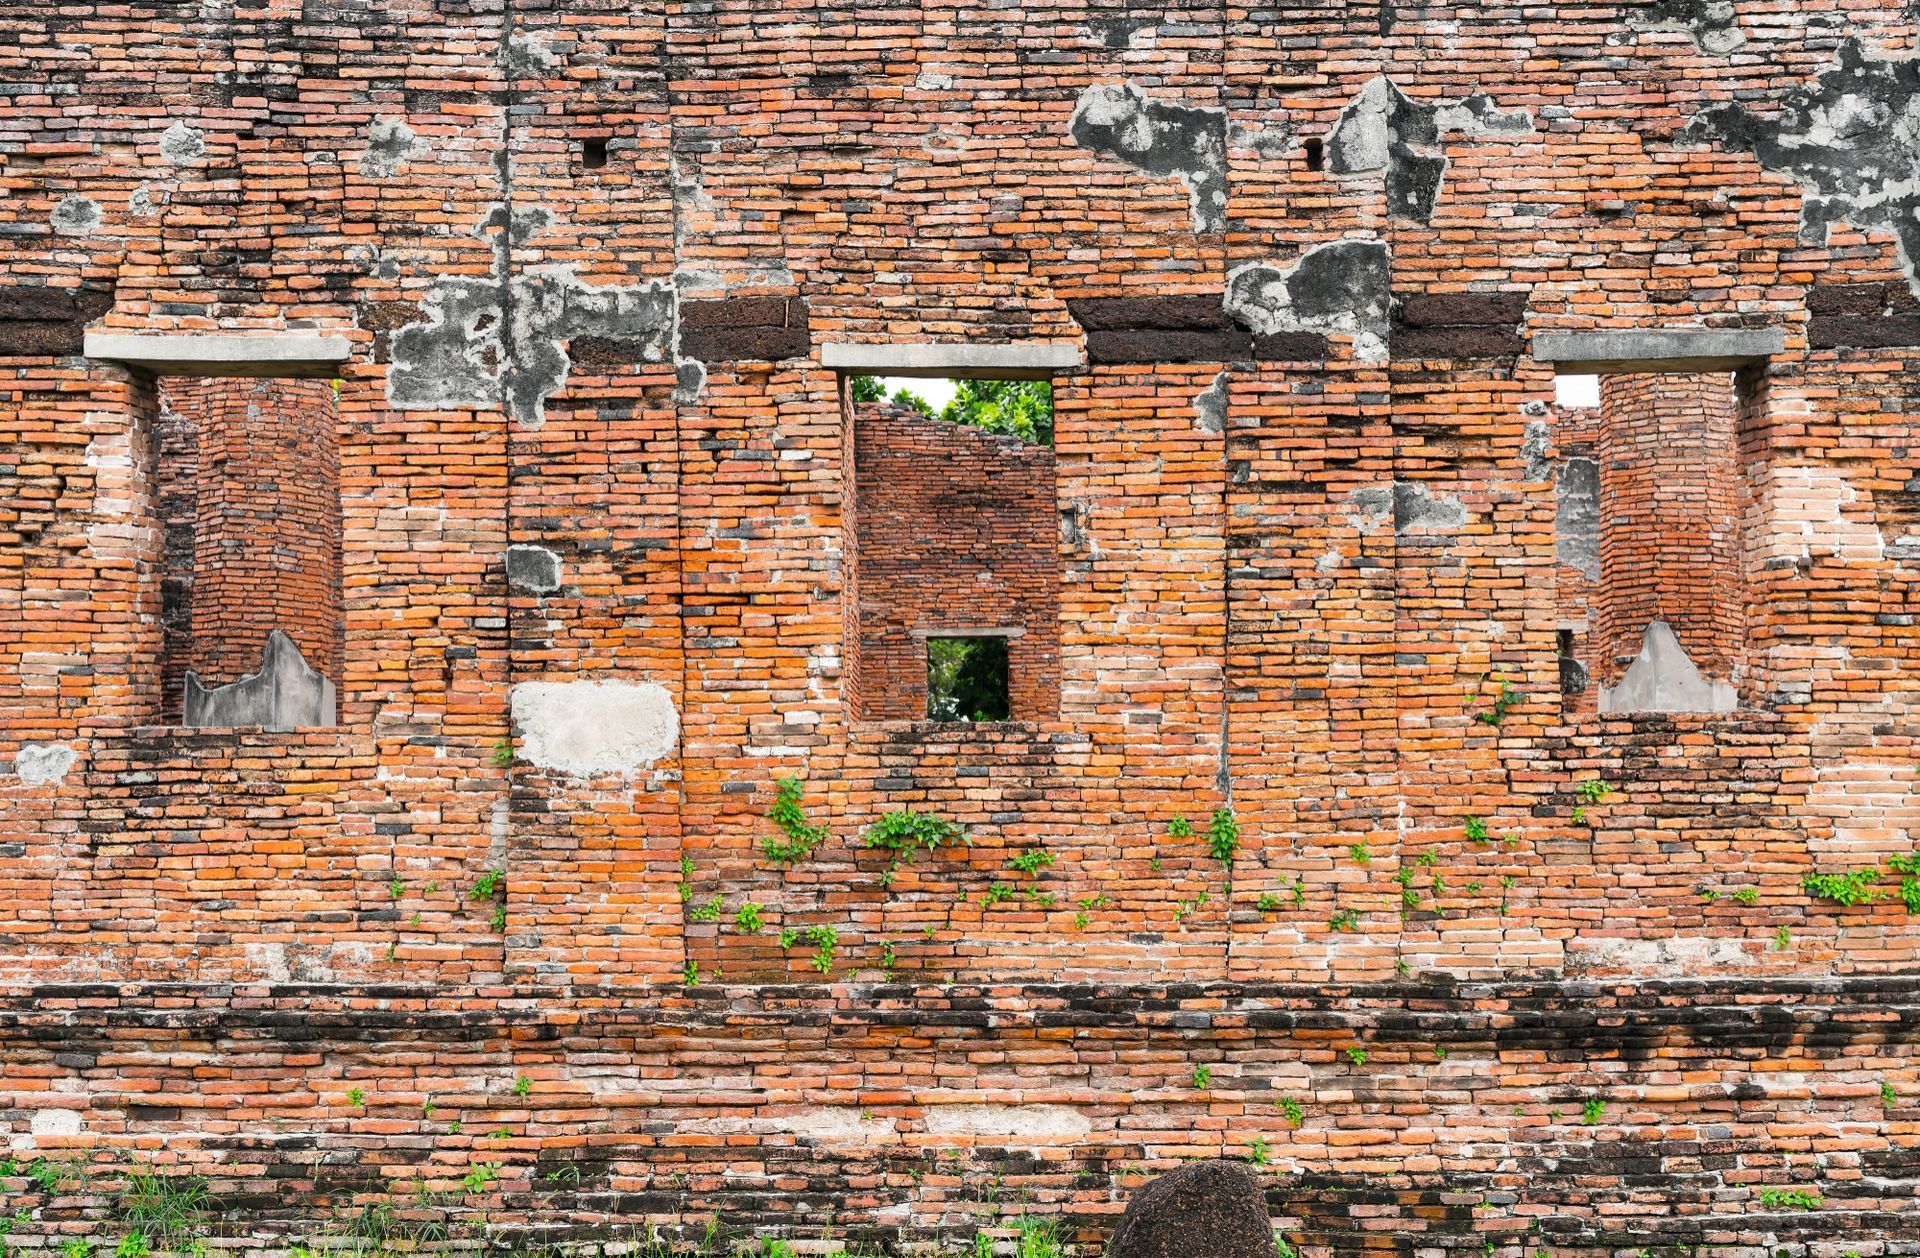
<point>968,679</point>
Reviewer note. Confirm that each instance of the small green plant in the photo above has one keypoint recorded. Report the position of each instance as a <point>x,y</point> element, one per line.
<point>1747,895</point>
<point>1590,1112</point>
<point>133,1245</point>
<point>491,884</point>
<point>502,756</point>
<point>1439,1052</point>
<point>824,939</point>
<point>396,888</point>
<point>1355,1054</point>
<point>1506,699</point>
<point>1202,1076</point>
<point>522,1086</point>
<point>1281,1247</point>
<point>788,938</point>
<point>1180,828</point>
<point>1257,1152</point>
<point>1361,853</point>
<point>904,832</point>
<point>1789,1199</point>
<point>480,1176</point>
<point>76,1247</point>
<point>1888,1097</point>
<point>1476,830</point>
<point>1291,1108</point>
<point>707,912</point>
<point>995,893</point>
<point>1344,919</point>
<point>747,918</point>
<point>1038,1238</point>
<point>1268,902</point>
<point>1855,886</point>
<point>356,1098</point>
<point>1032,861</point>
<point>1223,836</point>
<point>1782,939</point>
<point>1908,867</point>
<point>1593,790</point>
<point>167,1210</point>
<point>1299,889</point>
<point>800,835</point>
<point>888,960</point>
<point>690,976</point>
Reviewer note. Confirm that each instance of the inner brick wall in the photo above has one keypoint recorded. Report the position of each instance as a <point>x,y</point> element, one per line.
<point>248,484</point>
<point>1672,545</point>
<point>956,528</point>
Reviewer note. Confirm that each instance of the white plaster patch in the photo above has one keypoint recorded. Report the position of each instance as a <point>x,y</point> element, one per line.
<point>1653,958</point>
<point>833,1126</point>
<point>55,1122</point>
<point>391,144</point>
<point>76,216</point>
<point>43,764</point>
<point>594,728</point>
<point>1033,1124</point>
<point>1871,806</point>
<point>1808,515</point>
<point>182,144</point>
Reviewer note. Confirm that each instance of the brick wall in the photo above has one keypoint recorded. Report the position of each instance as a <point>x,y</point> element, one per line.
<point>1313,503</point>
<point>249,501</point>
<point>957,529</point>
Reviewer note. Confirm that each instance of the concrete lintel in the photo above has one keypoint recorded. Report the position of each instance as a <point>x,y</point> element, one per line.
<point>1033,360</point>
<point>1616,351</point>
<point>223,354</point>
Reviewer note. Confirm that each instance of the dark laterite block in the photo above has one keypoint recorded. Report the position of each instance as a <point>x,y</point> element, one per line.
<point>1137,314</point>
<point>1853,331</point>
<point>1290,347</point>
<point>1160,345</point>
<point>1439,310</point>
<point>1456,342</point>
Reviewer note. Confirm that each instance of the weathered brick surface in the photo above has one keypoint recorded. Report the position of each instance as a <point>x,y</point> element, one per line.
<point>956,529</point>
<point>1297,549</point>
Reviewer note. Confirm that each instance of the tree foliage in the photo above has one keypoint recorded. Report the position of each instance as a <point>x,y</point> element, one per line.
<point>1013,408</point>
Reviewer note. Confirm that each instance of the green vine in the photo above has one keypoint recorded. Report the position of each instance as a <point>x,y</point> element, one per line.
<point>802,836</point>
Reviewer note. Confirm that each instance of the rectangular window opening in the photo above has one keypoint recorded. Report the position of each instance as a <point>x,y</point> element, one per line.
<point>593,152</point>
<point>247,491</point>
<point>968,679</point>
<point>1650,535</point>
<point>953,538</point>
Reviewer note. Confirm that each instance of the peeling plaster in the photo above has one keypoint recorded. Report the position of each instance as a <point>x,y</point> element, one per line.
<point>1340,287</point>
<point>1032,1123</point>
<point>391,144</point>
<point>1159,138</point>
<point>1576,521</point>
<point>594,728</point>
<point>1534,447</point>
<point>1210,408</point>
<point>1713,25</point>
<point>1410,505</point>
<point>475,349</point>
<point>43,764</point>
<point>533,568</point>
<point>76,216</point>
<point>1850,139</point>
<point>182,145</point>
<point>1383,128</point>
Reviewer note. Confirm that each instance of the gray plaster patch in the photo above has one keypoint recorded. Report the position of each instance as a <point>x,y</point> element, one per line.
<point>182,145</point>
<point>1576,520</point>
<point>140,200</point>
<point>43,764</point>
<point>391,143</point>
<point>529,54</point>
<point>286,694</point>
<point>1713,25</point>
<point>1410,505</point>
<point>594,728</point>
<point>484,342</point>
<point>1534,447</point>
<point>1159,138</point>
<point>1383,128</point>
<point>1210,408</point>
<point>1340,287</point>
<point>1850,139</point>
<point>76,216</point>
<point>1663,679</point>
<point>533,568</point>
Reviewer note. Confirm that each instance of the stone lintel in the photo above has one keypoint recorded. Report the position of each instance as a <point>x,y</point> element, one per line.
<point>260,354</point>
<point>1030,361</point>
<point>1617,351</point>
